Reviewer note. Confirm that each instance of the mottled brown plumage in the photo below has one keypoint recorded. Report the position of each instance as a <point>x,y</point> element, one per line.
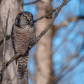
<point>23,36</point>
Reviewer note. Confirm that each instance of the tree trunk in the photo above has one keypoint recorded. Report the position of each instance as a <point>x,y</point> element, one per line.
<point>43,56</point>
<point>15,6</point>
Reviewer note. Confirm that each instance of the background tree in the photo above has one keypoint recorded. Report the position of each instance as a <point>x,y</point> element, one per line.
<point>43,54</point>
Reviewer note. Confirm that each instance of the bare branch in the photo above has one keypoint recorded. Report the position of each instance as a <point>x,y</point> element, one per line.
<point>65,38</point>
<point>65,23</point>
<point>2,70</point>
<point>38,38</point>
<point>33,2</point>
<point>69,69</point>
<point>50,24</point>
<point>45,16</point>
<point>5,37</point>
<point>66,1</point>
<point>0,1</point>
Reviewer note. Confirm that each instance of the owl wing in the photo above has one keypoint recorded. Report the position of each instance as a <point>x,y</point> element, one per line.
<point>12,37</point>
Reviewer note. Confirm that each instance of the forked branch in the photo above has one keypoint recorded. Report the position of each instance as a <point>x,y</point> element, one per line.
<point>42,33</point>
<point>57,10</point>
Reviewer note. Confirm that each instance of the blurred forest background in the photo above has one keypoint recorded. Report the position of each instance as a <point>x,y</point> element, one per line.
<point>58,56</point>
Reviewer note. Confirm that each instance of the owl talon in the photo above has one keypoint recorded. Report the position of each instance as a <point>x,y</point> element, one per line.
<point>30,46</point>
<point>5,67</point>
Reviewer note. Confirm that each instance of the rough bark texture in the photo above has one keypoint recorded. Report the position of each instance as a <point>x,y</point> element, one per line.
<point>10,74</point>
<point>43,56</point>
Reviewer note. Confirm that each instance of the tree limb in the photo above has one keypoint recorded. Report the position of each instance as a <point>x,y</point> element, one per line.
<point>64,23</point>
<point>4,31</point>
<point>39,36</point>
<point>45,16</point>
<point>33,2</point>
<point>7,38</point>
<point>69,69</point>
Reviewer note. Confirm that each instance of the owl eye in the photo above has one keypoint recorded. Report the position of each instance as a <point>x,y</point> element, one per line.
<point>29,19</point>
<point>24,17</point>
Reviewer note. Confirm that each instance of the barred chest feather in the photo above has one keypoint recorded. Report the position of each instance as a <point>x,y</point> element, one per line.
<point>23,38</point>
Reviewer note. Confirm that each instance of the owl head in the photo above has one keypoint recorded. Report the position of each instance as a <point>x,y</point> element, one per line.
<point>24,19</point>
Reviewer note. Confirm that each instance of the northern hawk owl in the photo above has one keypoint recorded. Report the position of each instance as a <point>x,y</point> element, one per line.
<point>23,36</point>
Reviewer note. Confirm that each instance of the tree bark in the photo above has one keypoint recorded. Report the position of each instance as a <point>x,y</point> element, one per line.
<point>43,56</point>
<point>15,6</point>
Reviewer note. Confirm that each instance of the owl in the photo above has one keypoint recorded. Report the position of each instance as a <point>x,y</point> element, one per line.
<point>23,37</point>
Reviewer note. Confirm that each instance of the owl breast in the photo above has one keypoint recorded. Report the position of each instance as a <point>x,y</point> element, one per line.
<point>23,38</point>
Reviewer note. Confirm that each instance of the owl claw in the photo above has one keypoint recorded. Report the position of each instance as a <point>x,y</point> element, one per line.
<point>5,67</point>
<point>30,46</point>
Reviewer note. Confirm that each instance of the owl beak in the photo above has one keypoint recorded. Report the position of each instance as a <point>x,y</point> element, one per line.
<point>31,23</point>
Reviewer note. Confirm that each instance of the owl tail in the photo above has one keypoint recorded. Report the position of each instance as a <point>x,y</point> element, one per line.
<point>22,66</point>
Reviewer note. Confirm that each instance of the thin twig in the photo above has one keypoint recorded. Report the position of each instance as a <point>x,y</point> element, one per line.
<point>0,1</point>
<point>67,21</point>
<point>66,1</point>
<point>50,24</point>
<point>2,70</point>
<point>5,36</point>
<point>45,16</point>
<point>69,69</point>
<point>33,2</point>
<point>65,38</point>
